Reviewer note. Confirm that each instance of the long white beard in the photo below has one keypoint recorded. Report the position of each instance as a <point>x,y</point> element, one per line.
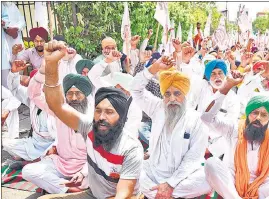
<point>173,115</point>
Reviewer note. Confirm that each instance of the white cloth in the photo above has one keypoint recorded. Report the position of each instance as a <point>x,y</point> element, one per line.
<point>229,129</point>
<point>134,114</point>
<point>15,20</point>
<point>41,14</point>
<point>247,90</point>
<point>188,139</point>
<point>11,104</point>
<point>45,175</point>
<point>222,180</point>
<point>202,96</point>
<point>67,67</point>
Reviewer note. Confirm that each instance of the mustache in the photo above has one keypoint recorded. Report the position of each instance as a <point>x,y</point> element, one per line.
<point>174,103</point>
<point>103,123</point>
<point>254,133</point>
<point>80,106</point>
<point>257,122</point>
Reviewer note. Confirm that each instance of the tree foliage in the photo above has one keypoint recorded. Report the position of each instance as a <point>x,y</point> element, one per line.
<point>99,19</point>
<point>261,24</point>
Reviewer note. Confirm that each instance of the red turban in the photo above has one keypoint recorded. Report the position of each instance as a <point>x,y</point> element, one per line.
<point>258,65</point>
<point>40,31</point>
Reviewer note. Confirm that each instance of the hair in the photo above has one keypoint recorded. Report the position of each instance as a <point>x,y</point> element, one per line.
<point>253,133</point>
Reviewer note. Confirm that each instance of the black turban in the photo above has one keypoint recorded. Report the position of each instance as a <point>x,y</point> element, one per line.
<point>116,97</point>
<point>79,81</point>
<point>84,63</point>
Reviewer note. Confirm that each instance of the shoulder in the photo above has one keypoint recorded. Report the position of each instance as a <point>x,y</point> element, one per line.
<point>130,145</point>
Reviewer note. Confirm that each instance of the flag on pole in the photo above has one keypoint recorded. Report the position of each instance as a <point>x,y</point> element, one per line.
<point>243,21</point>
<point>207,26</point>
<point>126,29</point>
<point>172,33</point>
<point>179,32</point>
<point>190,40</point>
<point>220,35</point>
<point>162,16</point>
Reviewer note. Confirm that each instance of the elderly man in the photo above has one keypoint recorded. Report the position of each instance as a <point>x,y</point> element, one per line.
<point>247,173</point>
<point>201,96</point>
<point>65,168</point>
<point>33,55</point>
<point>114,158</point>
<point>178,141</point>
<point>42,125</point>
<point>108,45</point>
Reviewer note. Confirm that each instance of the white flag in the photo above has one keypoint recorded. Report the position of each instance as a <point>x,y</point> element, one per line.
<point>190,40</point>
<point>220,35</point>
<point>172,33</point>
<point>243,21</point>
<point>126,29</point>
<point>207,26</point>
<point>179,33</point>
<point>162,14</point>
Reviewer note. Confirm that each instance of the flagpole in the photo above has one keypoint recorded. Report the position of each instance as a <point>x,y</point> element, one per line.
<point>156,37</point>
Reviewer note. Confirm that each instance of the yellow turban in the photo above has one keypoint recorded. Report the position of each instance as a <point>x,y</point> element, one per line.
<point>108,41</point>
<point>176,79</point>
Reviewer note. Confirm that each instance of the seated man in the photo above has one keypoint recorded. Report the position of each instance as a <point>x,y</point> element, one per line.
<point>121,81</point>
<point>203,92</point>
<point>114,158</point>
<point>42,125</point>
<point>178,140</point>
<point>247,173</point>
<point>33,55</point>
<point>65,170</point>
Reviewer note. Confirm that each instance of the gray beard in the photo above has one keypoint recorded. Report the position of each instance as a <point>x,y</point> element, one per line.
<point>173,115</point>
<point>80,106</point>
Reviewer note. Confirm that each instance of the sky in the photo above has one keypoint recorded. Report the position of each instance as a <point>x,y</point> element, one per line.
<point>252,7</point>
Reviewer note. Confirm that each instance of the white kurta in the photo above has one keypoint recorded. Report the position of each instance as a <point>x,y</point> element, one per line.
<point>221,175</point>
<point>11,104</point>
<point>183,155</point>
<point>134,114</point>
<point>33,147</point>
<point>68,66</point>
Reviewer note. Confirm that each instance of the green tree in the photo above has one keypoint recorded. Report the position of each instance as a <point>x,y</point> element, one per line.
<point>261,24</point>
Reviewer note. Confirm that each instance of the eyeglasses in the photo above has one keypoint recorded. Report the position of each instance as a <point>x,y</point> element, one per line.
<point>169,94</point>
<point>78,94</point>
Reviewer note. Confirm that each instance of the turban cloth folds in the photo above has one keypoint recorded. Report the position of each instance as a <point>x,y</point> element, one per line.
<point>210,66</point>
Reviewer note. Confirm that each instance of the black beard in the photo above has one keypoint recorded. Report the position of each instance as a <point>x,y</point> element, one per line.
<point>253,133</point>
<point>39,50</point>
<point>106,138</point>
<point>80,106</point>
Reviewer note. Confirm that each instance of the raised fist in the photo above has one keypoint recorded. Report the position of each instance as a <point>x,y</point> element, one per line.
<point>134,40</point>
<point>187,52</point>
<point>145,56</point>
<point>18,65</point>
<point>247,58</point>
<point>55,51</point>
<point>150,33</point>
<point>177,45</point>
<point>16,49</point>
<point>113,56</point>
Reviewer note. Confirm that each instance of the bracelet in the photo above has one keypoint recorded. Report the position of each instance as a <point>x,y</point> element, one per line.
<point>52,86</point>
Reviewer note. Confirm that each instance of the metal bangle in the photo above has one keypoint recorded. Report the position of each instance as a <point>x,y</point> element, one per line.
<point>52,86</point>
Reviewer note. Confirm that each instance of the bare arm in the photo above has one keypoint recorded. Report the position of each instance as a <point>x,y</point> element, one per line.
<point>125,189</point>
<point>53,90</point>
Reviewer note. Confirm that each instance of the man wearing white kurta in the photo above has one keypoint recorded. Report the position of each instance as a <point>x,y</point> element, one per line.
<point>44,126</point>
<point>246,173</point>
<point>11,105</point>
<point>178,141</point>
<point>122,81</point>
<point>215,74</point>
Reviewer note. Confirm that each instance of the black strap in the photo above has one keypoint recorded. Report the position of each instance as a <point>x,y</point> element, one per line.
<point>31,130</point>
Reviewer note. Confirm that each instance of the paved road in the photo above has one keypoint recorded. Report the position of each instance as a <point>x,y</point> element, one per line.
<point>24,130</point>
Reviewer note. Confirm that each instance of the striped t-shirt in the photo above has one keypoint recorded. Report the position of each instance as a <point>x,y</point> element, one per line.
<point>123,161</point>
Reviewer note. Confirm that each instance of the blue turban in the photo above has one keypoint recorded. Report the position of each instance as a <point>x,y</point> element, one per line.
<point>210,66</point>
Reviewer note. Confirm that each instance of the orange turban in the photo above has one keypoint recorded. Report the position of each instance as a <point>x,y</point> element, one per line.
<point>176,79</point>
<point>108,41</point>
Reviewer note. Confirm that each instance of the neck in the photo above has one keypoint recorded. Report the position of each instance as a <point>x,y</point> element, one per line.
<point>214,90</point>
<point>40,53</point>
